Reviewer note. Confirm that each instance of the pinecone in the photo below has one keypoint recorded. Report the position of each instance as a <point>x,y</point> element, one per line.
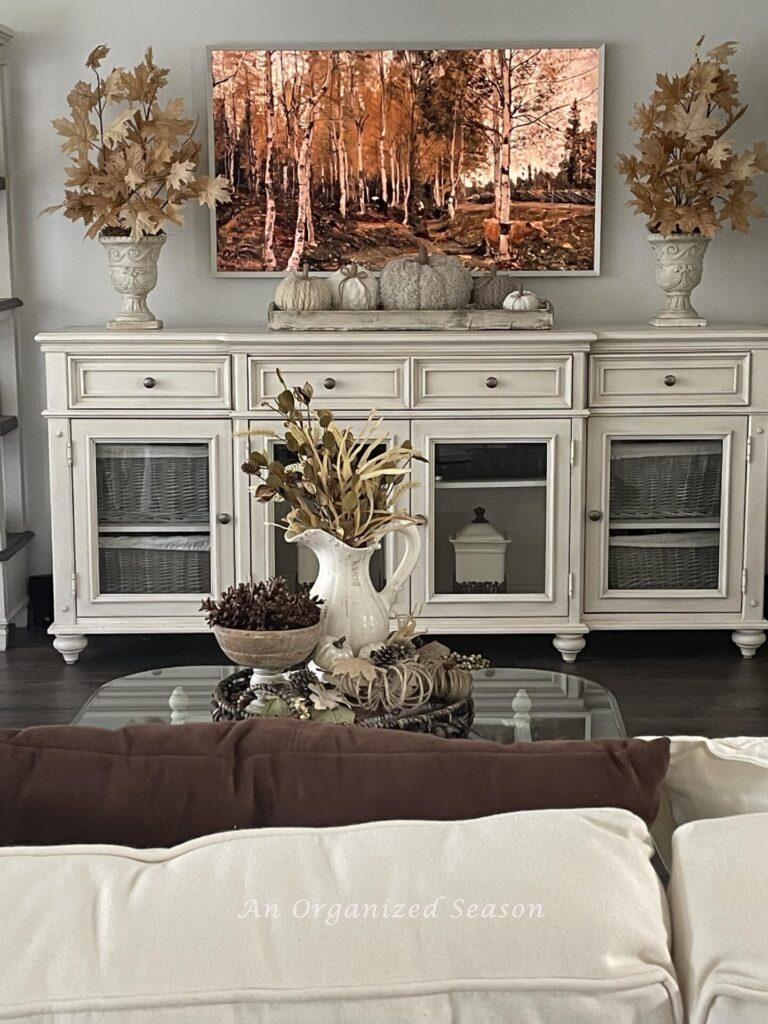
<point>391,654</point>
<point>259,606</point>
<point>300,680</point>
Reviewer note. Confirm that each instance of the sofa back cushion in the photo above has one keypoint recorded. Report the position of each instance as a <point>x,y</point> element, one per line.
<point>711,778</point>
<point>155,785</point>
<point>720,918</point>
<point>714,778</point>
<point>545,916</point>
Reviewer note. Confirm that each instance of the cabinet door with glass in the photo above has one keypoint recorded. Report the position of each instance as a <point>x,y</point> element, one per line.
<point>272,556</point>
<point>153,515</point>
<point>496,494</point>
<point>665,513</point>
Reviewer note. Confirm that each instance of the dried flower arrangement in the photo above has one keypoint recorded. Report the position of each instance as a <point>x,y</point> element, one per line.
<point>129,176</point>
<point>268,605</point>
<point>343,484</point>
<point>688,178</point>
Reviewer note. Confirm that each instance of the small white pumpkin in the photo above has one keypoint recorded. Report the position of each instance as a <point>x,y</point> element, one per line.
<point>521,300</point>
<point>299,292</point>
<point>354,287</point>
<point>330,650</point>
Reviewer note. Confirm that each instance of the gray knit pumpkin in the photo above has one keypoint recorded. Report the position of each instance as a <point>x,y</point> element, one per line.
<point>425,281</point>
<point>491,290</point>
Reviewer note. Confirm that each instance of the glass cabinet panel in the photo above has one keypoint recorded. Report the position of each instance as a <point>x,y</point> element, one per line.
<point>490,517</point>
<point>153,518</point>
<point>664,530</point>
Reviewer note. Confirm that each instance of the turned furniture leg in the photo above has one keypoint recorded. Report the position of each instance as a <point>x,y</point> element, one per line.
<point>70,647</point>
<point>569,645</point>
<point>749,641</point>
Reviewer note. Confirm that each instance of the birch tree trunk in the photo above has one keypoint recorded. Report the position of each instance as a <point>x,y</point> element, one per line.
<point>360,125</point>
<point>304,228</point>
<point>505,155</point>
<point>270,263</point>
<point>383,129</point>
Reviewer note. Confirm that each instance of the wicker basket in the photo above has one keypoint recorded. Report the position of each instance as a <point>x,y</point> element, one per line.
<point>152,483</point>
<point>166,564</point>
<point>451,721</point>
<point>665,561</point>
<point>665,480</point>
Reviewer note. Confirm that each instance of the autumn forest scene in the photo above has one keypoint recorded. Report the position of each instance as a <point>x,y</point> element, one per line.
<point>363,155</point>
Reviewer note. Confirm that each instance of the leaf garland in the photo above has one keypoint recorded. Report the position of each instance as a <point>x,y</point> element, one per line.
<point>130,170</point>
<point>345,484</point>
<point>688,179</point>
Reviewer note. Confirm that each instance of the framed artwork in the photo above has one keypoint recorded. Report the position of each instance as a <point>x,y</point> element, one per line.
<point>492,155</point>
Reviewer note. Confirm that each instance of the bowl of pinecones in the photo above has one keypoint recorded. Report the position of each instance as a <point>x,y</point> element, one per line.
<point>265,626</point>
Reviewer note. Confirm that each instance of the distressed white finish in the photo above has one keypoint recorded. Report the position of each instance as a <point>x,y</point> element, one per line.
<point>571,389</point>
<point>139,382</point>
<point>647,381</point>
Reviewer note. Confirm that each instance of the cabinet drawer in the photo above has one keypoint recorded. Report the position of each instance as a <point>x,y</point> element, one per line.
<point>669,380</point>
<point>340,383</point>
<point>507,382</point>
<point>149,382</point>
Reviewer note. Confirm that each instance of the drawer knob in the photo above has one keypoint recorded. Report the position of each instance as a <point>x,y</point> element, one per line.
<point>595,515</point>
<point>670,380</point>
<point>329,383</point>
<point>224,518</point>
<point>491,382</point>
<point>149,382</point>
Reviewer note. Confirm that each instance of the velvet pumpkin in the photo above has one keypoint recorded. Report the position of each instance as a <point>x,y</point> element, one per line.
<point>491,290</point>
<point>354,287</point>
<point>522,300</point>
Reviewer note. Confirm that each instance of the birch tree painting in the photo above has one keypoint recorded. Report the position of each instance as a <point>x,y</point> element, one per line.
<point>339,155</point>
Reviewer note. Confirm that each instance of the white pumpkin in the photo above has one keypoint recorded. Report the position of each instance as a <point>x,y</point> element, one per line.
<point>299,292</point>
<point>353,287</point>
<point>521,300</point>
<point>425,281</point>
<point>330,650</point>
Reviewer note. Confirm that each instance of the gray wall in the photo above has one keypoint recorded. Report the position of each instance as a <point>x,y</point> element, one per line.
<point>63,280</point>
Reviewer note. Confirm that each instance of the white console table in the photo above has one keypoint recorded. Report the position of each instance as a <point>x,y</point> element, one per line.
<point>627,467</point>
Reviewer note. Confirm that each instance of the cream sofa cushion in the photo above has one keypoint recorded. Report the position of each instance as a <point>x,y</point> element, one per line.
<point>541,916</point>
<point>720,918</point>
<point>714,778</point>
<point>710,778</point>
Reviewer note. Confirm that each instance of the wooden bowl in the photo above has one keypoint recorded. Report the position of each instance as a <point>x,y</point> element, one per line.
<point>269,650</point>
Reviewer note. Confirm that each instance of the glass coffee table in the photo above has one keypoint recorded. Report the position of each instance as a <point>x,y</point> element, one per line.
<point>511,704</point>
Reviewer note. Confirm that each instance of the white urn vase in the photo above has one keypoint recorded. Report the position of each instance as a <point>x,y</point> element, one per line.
<point>679,265</point>
<point>133,273</point>
<point>352,607</point>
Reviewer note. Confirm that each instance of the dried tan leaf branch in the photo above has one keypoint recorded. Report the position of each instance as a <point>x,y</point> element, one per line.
<point>688,178</point>
<point>344,484</point>
<point>132,174</point>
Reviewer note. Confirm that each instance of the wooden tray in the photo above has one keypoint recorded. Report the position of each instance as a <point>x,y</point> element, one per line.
<point>469,319</point>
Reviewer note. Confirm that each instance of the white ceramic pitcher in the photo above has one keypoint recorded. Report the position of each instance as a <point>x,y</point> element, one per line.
<point>353,609</point>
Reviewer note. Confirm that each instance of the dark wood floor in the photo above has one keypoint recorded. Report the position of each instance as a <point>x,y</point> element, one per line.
<point>691,683</point>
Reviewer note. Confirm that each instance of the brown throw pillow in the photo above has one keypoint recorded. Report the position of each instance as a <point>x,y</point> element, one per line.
<point>155,785</point>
